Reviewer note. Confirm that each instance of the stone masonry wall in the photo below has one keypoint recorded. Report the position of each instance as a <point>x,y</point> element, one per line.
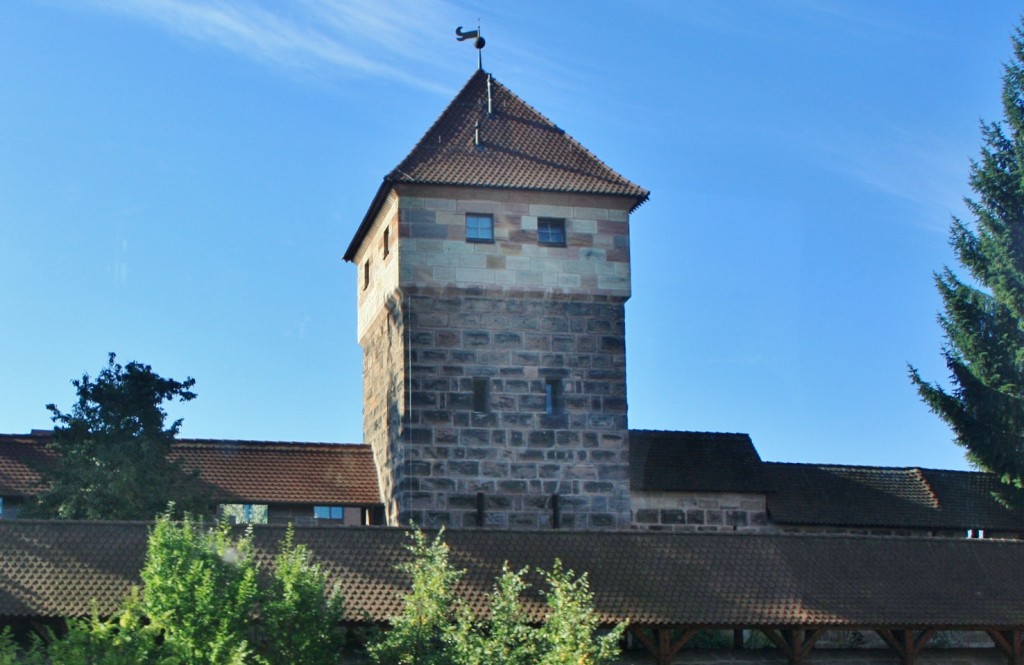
<point>692,511</point>
<point>513,453</point>
<point>380,265</point>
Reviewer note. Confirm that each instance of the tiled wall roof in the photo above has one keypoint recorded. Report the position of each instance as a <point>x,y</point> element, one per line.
<point>256,472</point>
<point>818,494</point>
<point>518,148</point>
<point>242,471</point>
<point>867,496</point>
<point>58,568</point>
<point>694,462</point>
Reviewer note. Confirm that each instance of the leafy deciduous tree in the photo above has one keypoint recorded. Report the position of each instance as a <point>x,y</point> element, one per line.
<point>983,320</point>
<point>200,588</point>
<point>112,449</point>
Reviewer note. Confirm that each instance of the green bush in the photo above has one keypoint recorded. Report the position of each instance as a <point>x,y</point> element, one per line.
<point>300,616</point>
<point>201,589</point>
<point>435,628</point>
<point>200,606</point>
<point>422,634</point>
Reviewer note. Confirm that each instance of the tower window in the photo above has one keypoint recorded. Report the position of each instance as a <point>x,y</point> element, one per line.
<point>387,241</point>
<point>366,273</point>
<point>479,228</point>
<point>552,396</point>
<point>551,231</point>
<point>480,385</point>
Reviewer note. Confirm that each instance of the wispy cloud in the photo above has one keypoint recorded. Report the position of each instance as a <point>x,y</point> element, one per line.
<point>927,171</point>
<point>353,39</point>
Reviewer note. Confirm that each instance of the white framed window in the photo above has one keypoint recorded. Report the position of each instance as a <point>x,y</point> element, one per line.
<point>479,228</point>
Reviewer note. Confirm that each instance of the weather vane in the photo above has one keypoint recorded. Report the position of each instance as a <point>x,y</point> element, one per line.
<point>478,42</point>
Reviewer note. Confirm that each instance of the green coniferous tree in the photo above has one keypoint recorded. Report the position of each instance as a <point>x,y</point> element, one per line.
<point>983,319</point>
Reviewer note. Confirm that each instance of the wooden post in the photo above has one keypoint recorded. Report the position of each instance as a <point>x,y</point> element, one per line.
<point>796,643</point>
<point>1009,642</point>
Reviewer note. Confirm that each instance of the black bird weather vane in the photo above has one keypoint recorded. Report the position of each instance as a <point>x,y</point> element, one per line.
<point>478,42</point>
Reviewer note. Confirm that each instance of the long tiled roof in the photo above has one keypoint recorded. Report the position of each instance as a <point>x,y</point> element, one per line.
<point>694,462</point>
<point>259,472</point>
<point>866,496</point>
<point>60,568</point>
<point>242,471</point>
<point>518,149</point>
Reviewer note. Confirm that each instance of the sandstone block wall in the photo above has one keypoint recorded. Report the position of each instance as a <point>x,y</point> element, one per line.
<point>385,398</point>
<point>513,454</point>
<point>692,512</point>
<point>434,251</point>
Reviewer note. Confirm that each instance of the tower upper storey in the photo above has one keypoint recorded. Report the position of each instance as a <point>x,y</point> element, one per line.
<point>490,138</point>
<point>495,196</point>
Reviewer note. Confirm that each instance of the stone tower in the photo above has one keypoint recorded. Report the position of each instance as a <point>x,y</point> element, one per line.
<point>493,270</point>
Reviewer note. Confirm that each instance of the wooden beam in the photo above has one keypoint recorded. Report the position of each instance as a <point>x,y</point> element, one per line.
<point>905,643</point>
<point>1009,642</point>
<point>796,643</point>
<point>658,640</point>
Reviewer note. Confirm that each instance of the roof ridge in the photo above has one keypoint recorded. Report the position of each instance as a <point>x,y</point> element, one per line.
<point>269,444</point>
<point>827,465</point>
<point>571,138</point>
<point>687,431</point>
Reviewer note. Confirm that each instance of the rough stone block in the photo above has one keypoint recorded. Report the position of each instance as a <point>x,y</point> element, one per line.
<point>671,516</point>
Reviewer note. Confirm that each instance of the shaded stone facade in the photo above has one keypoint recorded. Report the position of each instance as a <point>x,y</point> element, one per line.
<point>700,511</point>
<point>494,373</point>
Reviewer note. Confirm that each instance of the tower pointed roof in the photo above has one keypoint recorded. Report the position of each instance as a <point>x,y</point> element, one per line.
<point>500,142</point>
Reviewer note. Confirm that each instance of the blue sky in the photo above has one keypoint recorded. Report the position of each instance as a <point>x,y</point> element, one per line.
<point>179,180</point>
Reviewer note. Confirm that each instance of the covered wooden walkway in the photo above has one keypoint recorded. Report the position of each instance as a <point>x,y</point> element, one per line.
<point>792,588</point>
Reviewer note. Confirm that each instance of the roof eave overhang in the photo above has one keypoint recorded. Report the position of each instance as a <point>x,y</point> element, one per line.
<point>364,227</point>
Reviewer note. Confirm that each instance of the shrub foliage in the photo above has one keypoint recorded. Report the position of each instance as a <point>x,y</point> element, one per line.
<point>205,603</point>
